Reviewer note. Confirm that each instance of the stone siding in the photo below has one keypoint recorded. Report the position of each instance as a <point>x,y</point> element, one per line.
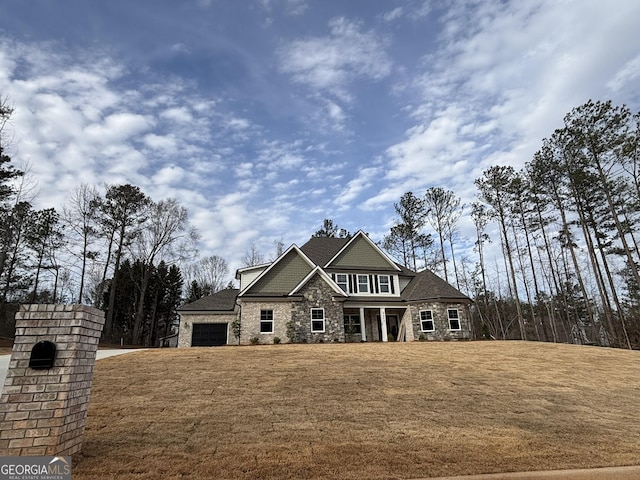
<point>250,323</point>
<point>441,321</point>
<point>188,319</point>
<point>43,412</point>
<point>317,294</point>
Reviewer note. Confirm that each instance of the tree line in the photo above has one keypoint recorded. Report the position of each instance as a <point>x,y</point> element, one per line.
<point>116,249</point>
<point>566,225</point>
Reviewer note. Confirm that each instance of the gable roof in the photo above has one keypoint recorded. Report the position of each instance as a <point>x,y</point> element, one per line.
<point>223,300</point>
<point>327,279</point>
<point>322,249</point>
<point>426,285</point>
<point>281,276</point>
<point>357,252</point>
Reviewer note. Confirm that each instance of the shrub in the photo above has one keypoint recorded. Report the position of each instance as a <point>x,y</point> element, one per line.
<point>254,340</point>
<point>391,338</point>
<point>276,340</point>
<point>421,337</point>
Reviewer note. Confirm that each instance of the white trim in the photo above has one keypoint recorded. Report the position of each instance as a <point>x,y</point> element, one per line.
<point>360,233</point>
<point>433,323</point>
<point>366,282</point>
<point>246,269</point>
<point>324,319</point>
<point>272,321</point>
<point>388,284</point>
<point>277,260</point>
<point>324,276</point>
<point>346,282</point>
<point>457,318</point>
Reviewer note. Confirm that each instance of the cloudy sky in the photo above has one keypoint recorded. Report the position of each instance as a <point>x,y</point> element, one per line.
<point>263,117</point>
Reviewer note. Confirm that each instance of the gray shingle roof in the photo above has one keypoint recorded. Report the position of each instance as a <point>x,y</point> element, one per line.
<point>220,301</point>
<point>426,285</point>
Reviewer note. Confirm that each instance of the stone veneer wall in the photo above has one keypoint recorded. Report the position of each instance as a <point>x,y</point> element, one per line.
<point>317,294</point>
<point>441,321</point>
<point>250,321</point>
<point>187,320</point>
<point>43,412</point>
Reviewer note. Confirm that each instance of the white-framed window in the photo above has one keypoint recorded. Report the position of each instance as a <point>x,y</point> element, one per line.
<point>352,324</point>
<point>266,321</point>
<point>384,283</point>
<point>342,281</point>
<point>426,321</point>
<point>363,283</point>
<point>317,320</point>
<point>454,319</point>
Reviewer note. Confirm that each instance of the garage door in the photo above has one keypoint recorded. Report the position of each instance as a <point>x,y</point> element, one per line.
<point>209,334</point>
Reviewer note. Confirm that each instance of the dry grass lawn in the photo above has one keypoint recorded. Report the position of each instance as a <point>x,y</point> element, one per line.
<point>361,411</point>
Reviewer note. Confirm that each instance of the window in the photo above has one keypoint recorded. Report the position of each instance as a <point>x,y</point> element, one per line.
<point>383,282</point>
<point>317,320</point>
<point>341,280</point>
<point>363,284</point>
<point>266,321</point>
<point>454,319</point>
<point>426,321</point>
<point>352,324</point>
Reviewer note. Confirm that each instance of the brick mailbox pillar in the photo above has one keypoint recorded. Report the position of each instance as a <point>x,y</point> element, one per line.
<point>43,408</point>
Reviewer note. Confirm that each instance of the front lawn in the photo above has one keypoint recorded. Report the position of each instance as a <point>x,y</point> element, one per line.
<point>361,411</point>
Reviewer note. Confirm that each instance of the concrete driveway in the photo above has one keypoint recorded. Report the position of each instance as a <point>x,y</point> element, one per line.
<point>4,359</point>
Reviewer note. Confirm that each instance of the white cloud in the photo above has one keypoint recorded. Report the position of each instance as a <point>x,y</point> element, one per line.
<point>392,15</point>
<point>171,174</point>
<point>503,78</point>
<point>161,142</point>
<point>629,72</point>
<point>118,127</point>
<point>330,63</point>
<point>363,180</point>
<point>177,114</point>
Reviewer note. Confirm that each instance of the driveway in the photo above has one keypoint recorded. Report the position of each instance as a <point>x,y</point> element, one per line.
<point>4,359</point>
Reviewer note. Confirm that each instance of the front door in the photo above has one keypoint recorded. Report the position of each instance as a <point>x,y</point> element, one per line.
<point>392,326</point>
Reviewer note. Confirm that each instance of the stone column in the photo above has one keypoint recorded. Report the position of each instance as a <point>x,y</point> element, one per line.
<point>43,411</point>
<point>363,329</point>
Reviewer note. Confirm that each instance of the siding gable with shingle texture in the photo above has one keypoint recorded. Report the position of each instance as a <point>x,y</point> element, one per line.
<point>283,277</point>
<point>360,254</point>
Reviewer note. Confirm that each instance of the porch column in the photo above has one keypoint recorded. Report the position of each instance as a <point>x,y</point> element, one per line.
<point>383,324</point>
<point>363,330</point>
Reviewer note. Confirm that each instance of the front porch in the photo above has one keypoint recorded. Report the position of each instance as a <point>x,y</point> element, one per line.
<point>368,323</point>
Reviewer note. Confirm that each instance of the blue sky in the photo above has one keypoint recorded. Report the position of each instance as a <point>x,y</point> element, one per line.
<point>263,117</point>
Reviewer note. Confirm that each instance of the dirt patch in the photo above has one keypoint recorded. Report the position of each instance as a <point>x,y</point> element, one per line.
<point>361,411</point>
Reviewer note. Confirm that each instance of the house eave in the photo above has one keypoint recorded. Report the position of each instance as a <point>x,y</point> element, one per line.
<point>441,299</point>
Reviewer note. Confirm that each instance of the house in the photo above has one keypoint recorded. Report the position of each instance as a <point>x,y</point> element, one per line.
<point>328,290</point>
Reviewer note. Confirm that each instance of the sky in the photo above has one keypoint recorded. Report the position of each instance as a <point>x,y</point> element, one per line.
<point>264,117</point>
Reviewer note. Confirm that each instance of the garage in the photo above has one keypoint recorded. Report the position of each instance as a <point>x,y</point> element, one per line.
<point>209,334</point>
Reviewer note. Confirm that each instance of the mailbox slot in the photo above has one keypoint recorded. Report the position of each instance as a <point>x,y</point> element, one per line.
<point>43,354</point>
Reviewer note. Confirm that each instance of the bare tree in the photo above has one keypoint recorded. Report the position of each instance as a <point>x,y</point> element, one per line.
<point>443,212</point>
<point>210,273</point>
<point>80,215</point>
<point>252,257</point>
<point>166,236</point>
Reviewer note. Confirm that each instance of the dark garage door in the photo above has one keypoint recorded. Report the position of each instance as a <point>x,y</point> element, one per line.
<point>209,334</point>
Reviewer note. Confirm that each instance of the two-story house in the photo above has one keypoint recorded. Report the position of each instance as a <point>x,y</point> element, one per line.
<point>328,290</point>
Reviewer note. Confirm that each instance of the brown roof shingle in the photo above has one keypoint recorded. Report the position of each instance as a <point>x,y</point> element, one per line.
<point>322,249</point>
<point>426,285</point>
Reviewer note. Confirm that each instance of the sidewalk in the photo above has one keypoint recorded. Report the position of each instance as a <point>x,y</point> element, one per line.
<point>609,473</point>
